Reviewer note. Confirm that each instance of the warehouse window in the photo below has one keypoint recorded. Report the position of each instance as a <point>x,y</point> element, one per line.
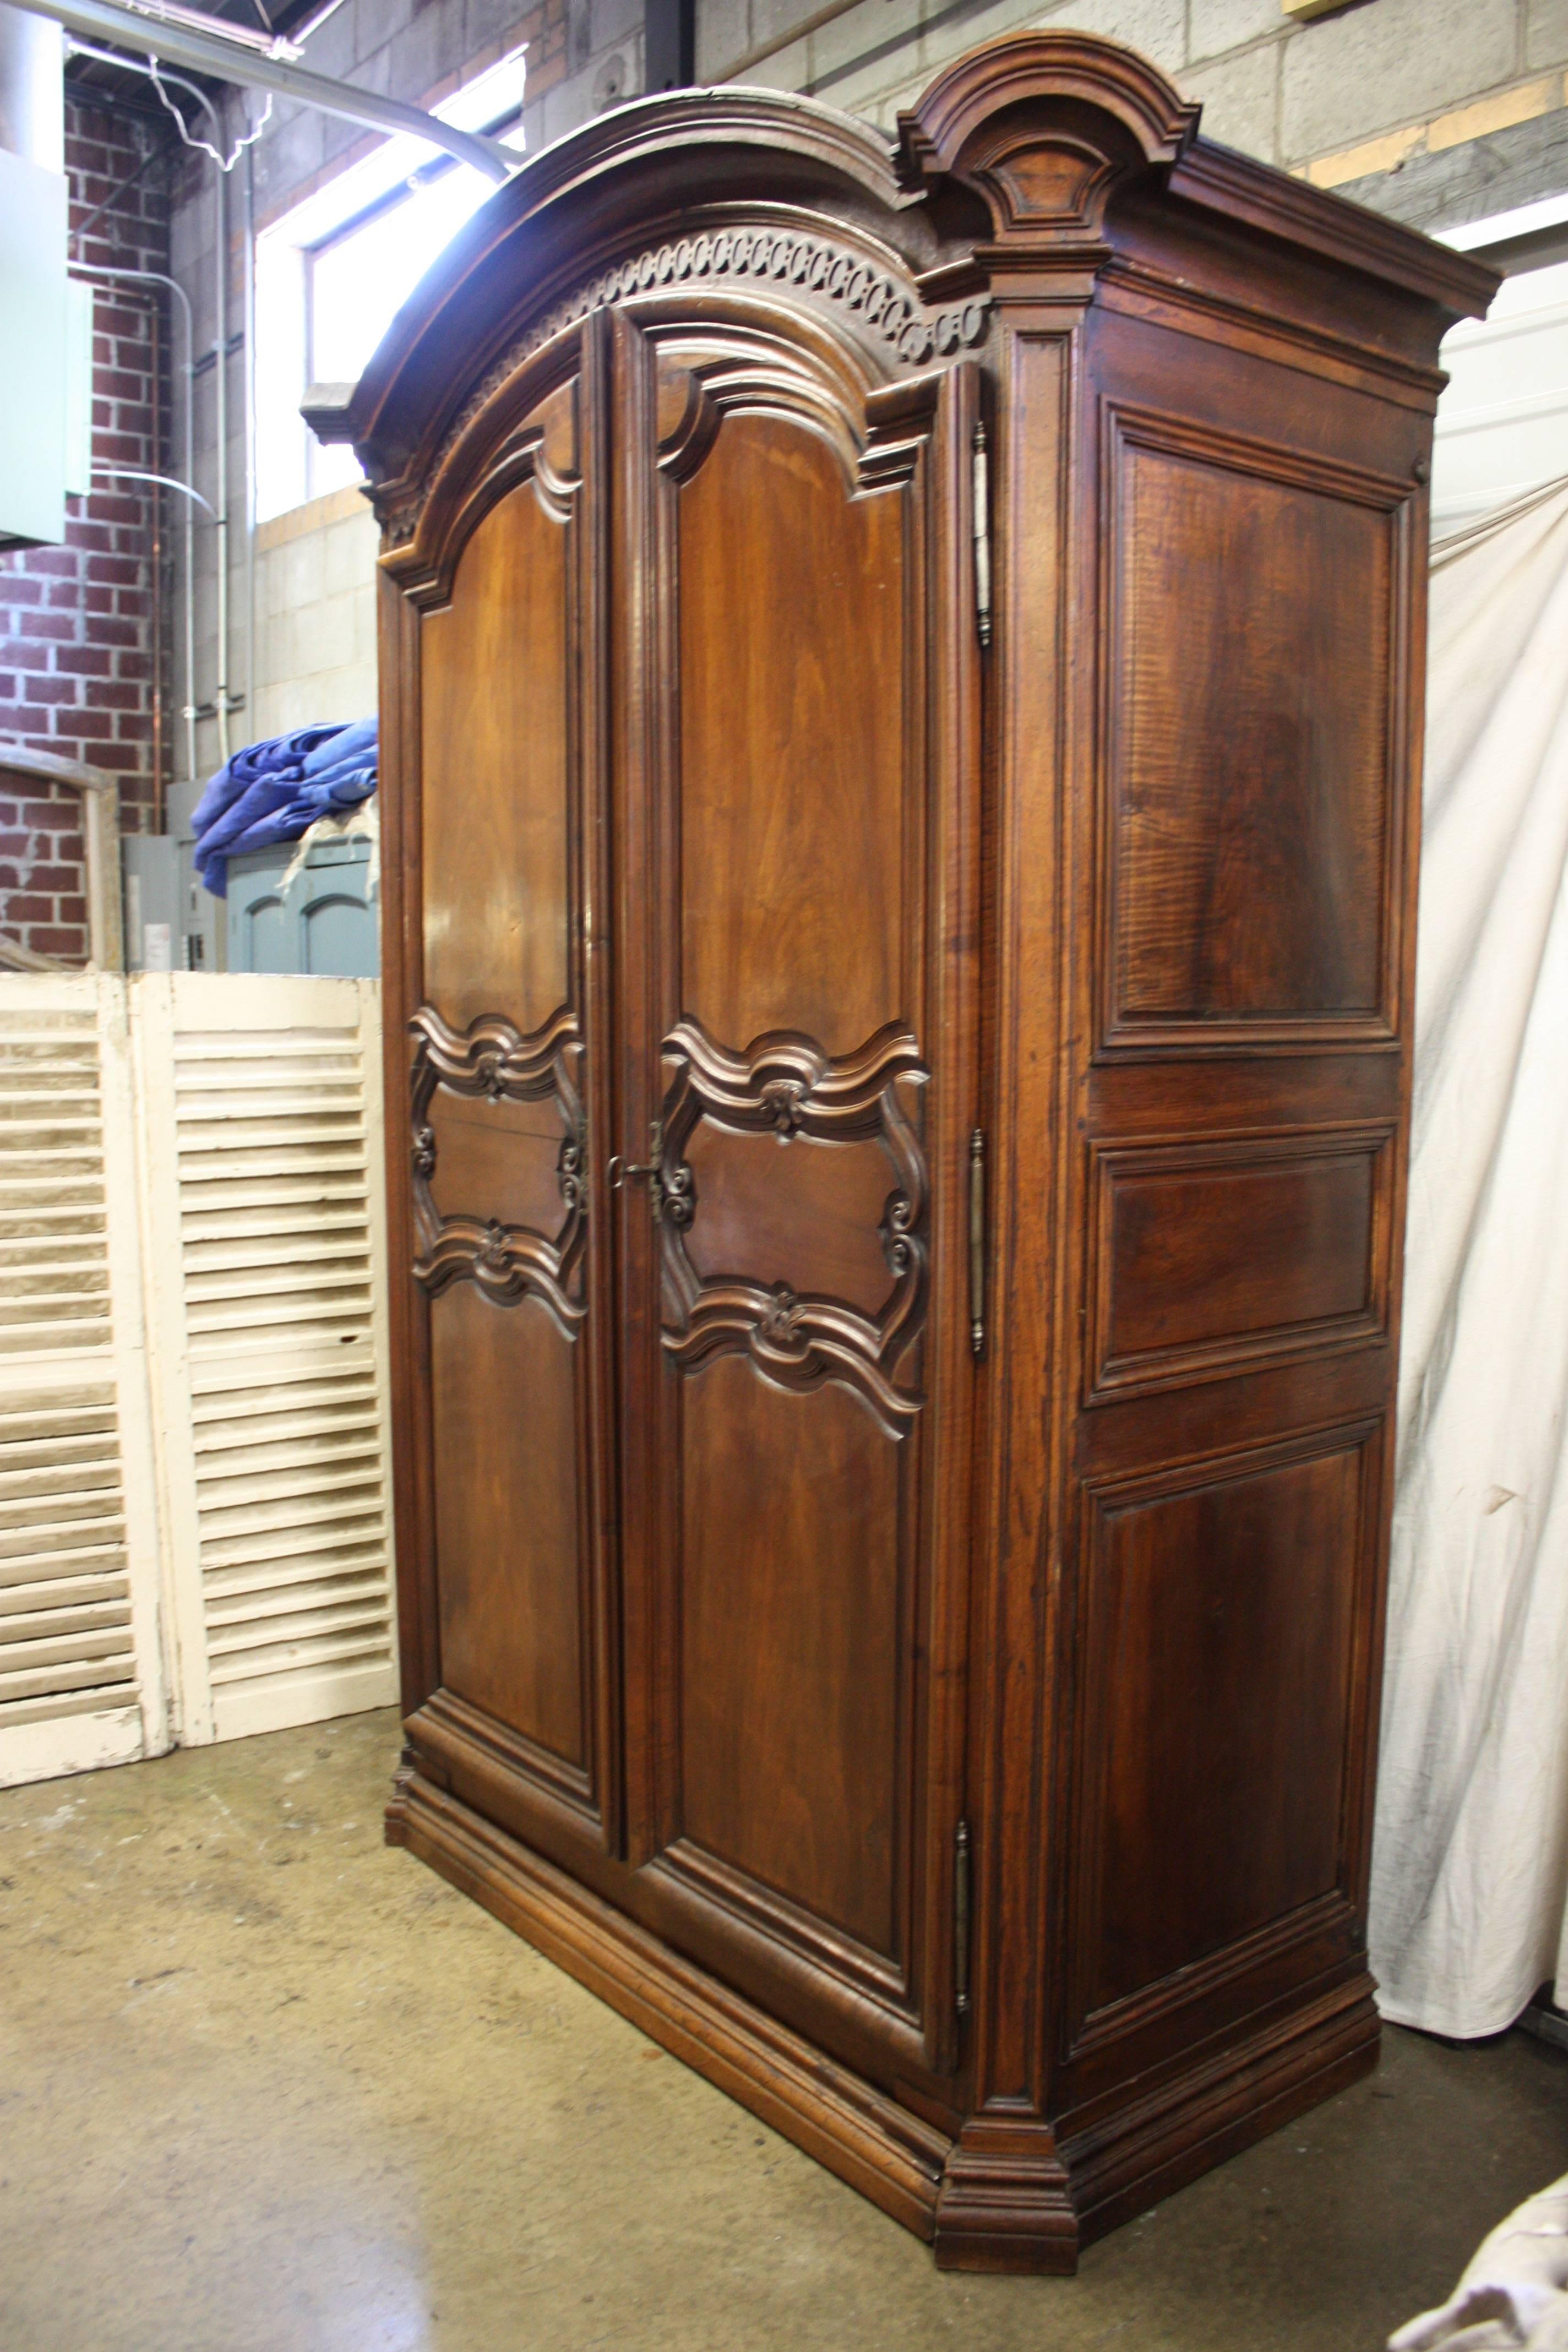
<point>332,276</point>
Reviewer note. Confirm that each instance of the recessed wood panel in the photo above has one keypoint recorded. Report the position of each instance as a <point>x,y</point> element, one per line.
<point>792,740</point>
<point>1250,746</point>
<point>1218,1256</point>
<point>499,1160</point>
<point>793,1644</point>
<point>805,1213</point>
<point>495,728</point>
<point>502,1401</point>
<point>1218,1693</point>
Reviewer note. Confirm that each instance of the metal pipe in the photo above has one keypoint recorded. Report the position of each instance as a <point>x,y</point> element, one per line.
<point>156,318</point>
<point>219,509</point>
<point>220,395</point>
<point>164,481</point>
<point>249,330</point>
<point>216,53</point>
<point>160,277</point>
<point>199,20</point>
<point>313,22</point>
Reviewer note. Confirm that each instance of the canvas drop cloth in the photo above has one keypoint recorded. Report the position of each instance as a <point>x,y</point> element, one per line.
<point>1470,1860</point>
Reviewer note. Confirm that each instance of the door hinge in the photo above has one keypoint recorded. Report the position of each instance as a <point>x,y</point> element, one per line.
<point>981,494</point>
<point>961,1901</point>
<point>977,1241</point>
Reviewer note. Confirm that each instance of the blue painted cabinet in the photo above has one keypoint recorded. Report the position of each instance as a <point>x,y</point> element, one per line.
<point>324,921</point>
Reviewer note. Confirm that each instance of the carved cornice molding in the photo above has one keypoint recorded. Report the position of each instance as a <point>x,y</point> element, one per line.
<point>494,1060</point>
<point>782,258</point>
<point>786,1087</point>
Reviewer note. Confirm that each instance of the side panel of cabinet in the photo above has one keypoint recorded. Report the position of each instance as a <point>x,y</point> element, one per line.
<point>800,1073</point>
<point>1246,855</point>
<point>497,784</point>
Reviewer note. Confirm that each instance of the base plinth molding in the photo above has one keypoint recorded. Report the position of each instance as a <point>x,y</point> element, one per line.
<point>987,2200</point>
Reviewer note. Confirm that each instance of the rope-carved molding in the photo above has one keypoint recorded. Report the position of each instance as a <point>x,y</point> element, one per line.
<point>779,255</point>
<point>493,1060</point>
<point>788,1087</point>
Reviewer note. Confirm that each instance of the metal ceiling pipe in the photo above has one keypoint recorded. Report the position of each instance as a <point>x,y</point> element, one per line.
<point>228,60</point>
<point>222,702</point>
<point>160,278</point>
<point>202,20</point>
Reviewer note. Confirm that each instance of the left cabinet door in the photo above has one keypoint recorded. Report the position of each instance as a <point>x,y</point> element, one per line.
<point>495,769</point>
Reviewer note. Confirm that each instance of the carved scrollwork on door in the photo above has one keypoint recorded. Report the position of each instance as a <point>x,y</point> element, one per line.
<point>788,1088</point>
<point>493,1060</point>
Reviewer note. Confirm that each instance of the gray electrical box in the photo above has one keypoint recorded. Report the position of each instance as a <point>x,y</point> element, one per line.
<point>199,940</point>
<point>151,864</point>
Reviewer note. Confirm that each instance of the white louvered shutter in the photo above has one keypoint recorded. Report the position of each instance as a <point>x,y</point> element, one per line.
<point>81,1677</point>
<point>263,1144</point>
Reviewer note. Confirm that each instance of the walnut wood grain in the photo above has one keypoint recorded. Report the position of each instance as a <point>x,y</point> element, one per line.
<point>507,1538</point>
<point>740,872</point>
<point>495,753</point>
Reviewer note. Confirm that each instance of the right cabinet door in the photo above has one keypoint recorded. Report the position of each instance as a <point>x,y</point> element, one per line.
<point>798,1081</point>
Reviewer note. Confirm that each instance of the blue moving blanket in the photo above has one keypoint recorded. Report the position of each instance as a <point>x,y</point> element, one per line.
<point>272,792</point>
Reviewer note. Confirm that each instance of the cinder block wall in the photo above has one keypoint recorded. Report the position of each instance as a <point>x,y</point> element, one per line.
<point>1439,111</point>
<point>76,654</point>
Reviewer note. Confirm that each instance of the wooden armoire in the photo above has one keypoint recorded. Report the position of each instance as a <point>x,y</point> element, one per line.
<point>901,687</point>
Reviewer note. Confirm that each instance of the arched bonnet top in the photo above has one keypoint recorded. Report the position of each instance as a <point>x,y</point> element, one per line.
<point>1007,162</point>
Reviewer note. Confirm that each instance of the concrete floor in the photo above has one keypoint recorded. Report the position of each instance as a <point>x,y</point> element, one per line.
<point>266,2086</point>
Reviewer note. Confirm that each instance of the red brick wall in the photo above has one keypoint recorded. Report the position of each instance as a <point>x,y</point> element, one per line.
<point>76,621</point>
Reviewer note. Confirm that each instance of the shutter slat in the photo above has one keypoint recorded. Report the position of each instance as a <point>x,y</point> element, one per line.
<point>291,1539</point>
<point>59,1707</point>
<point>113,1670</point>
<point>64,1592</point>
<point>65,1631</point>
<point>264,1470</point>
<point>78,1539</point>
<point>284,1657</point>
<point>323,1612</point>
<point>342,1569</point>
<point>62,1568</point>
<point>281,1411</point>
<point>63,1480</point>
<point>59,1508</point>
